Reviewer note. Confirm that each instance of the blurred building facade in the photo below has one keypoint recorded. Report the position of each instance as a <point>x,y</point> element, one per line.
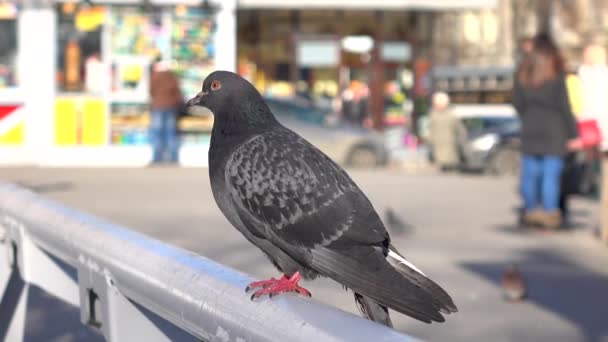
<point>474,52</point>
<point>369,54</point>
<point>76,91</point>
<point>577,23</point>
<point>467,48</point>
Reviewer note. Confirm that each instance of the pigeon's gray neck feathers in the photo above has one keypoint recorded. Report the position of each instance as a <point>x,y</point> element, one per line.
<point>249,113</point>
<point>256,111</point>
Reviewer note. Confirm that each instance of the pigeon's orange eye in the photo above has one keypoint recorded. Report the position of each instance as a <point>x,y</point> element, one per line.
<point>215,85</point>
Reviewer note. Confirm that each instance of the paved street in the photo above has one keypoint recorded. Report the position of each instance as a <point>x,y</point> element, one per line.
<point>463,237</point>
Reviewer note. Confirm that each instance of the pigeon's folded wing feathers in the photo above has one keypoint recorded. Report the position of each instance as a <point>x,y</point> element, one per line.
<point>287,189</point>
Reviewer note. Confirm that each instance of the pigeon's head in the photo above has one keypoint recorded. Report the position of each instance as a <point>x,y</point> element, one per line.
<point>231,98</point>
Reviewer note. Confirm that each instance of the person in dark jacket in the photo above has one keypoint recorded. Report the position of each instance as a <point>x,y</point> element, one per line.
<point>548,130</point>
<point>166,98</point>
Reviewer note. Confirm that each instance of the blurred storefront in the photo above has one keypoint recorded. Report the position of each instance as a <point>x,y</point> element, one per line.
<point>100,58</point>
<point>469,84</point>
<point>12,118</point>
<point>89,68</point>
<point>368,54</point>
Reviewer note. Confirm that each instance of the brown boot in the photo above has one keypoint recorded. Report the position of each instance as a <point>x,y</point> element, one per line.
<point>551,219</point>
<point>533,217</point>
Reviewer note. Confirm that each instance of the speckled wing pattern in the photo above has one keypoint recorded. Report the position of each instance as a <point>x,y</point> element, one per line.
<point>285,188</point>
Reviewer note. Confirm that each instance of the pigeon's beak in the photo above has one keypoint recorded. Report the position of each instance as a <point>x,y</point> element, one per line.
<point>198,100</point>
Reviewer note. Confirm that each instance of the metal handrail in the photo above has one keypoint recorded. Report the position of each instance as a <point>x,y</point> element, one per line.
<point>119,272</point>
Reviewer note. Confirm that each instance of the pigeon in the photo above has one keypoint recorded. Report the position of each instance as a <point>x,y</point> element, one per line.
<point>396,223</point>
<point>513,284</point>
<point>303,211</point>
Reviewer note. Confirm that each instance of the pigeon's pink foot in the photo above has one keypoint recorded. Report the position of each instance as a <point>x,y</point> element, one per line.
<point>274,287</point>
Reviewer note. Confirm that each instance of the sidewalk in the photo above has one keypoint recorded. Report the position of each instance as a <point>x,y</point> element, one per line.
<point>463,234</point>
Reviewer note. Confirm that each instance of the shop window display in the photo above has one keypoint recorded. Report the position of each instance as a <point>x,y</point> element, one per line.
<point>138,36</point>
<point>8,52</point>
<point>398,82</point>
<point>183,35</point>
<point>80,115</point>
<point>263,50</point>
<point>193,56</point>
<point>12,120</point>
<point>104,63</point>
<point>79,48</point>
<point>139,32</point>
<point>192,48</point>
<point>334,55</point>
<point>318,66</point>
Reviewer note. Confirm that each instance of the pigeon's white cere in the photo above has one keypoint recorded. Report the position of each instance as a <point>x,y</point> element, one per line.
<point>402,260</point>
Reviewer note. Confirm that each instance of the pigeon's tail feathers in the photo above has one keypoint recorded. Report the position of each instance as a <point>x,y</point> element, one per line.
<point>416,276</point>
<point>372,310</point>
<point>365,270</point>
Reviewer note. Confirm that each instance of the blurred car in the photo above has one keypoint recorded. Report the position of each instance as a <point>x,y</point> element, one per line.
<point>344,142</point>
<point>492,141</point>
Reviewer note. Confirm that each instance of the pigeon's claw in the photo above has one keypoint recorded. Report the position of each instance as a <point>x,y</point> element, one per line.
<point>274,287</point>
<point>262,283</point>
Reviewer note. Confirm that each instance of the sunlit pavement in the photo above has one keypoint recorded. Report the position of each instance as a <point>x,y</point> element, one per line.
<point>464,235</point>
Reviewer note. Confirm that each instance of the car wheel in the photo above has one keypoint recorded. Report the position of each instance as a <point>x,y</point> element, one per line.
<point>363,157</point>
<point>505,162</point>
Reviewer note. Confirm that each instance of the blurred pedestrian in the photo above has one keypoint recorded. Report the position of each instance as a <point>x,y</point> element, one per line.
<point>574,164</point>
<point>348,104</point>
<point>548,130</point>
<point>166,100</point>
<point>593,75</point>
<point>363,94</point>
<point>526,45</point>
<point>445,133</point>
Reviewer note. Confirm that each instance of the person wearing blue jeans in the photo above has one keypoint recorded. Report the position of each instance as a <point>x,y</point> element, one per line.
<point>165,101</point>
<point>546,171</point>
<point>163,135</point>
<point>548,130</point>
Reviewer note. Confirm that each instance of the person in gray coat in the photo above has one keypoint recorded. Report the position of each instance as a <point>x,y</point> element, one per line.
<point>445,132</point>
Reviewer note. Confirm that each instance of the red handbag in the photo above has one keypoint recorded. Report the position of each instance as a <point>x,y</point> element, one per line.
<point>589,132</point>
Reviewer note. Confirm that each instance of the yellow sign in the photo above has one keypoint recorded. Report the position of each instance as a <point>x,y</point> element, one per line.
<point>14,136</point>
<point>66,114</point>
<point>81,121</point>
<point>132,73</point>
<point>90,19</point>
<point>12,125</point>
<point>94,122</point>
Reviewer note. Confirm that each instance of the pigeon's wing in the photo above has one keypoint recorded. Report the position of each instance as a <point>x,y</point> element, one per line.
<point>287,191</point>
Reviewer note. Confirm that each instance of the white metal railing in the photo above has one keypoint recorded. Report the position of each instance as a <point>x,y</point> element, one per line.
<point>118,277</point>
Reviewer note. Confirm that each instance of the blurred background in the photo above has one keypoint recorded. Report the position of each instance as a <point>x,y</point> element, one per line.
<point>357,78</point>
<point>74,76</point>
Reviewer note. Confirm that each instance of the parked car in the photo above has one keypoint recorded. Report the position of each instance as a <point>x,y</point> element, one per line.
<point>493,138</point>
<point>344,142</point>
